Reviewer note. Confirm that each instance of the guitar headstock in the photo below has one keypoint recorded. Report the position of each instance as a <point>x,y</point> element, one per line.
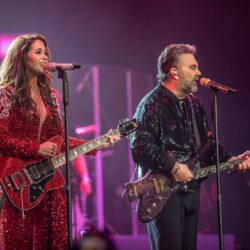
<point>127,127</point>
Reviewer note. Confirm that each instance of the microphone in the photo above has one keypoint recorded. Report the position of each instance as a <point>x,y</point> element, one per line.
<point>61,66</point>
<point>218,86</point>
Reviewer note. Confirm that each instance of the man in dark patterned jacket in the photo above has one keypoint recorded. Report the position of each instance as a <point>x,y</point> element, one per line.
<point>172,129</point>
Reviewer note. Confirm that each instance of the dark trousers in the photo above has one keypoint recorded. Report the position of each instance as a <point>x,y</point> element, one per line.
<point>175,228</point>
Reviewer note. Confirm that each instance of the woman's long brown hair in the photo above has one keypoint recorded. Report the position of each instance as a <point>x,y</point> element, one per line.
<point>13,70</point>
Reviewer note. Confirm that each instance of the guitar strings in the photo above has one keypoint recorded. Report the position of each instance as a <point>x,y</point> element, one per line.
<point>35,173</point>
<point>44,168</point>
<point>47,166</point>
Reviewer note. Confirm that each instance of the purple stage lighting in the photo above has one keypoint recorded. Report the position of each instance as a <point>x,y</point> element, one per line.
<point>5,41</point>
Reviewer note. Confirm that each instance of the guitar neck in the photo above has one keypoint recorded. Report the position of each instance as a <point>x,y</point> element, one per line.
<point>82,149</point>
<point>204,172</point>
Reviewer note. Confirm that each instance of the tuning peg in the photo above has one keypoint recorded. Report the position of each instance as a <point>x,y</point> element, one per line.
<point>122,121</point>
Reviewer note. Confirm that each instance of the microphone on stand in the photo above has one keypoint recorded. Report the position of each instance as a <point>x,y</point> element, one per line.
<point>218,86</point>
<point>61,66</point>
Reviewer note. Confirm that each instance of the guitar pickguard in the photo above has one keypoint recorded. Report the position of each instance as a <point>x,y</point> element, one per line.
<point>38,188</point>
<point>40,174</point>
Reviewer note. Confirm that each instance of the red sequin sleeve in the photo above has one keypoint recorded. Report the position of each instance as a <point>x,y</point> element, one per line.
<point>9,144</point>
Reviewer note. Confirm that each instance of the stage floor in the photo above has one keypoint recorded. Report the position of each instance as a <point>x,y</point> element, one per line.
<point>141,242</point>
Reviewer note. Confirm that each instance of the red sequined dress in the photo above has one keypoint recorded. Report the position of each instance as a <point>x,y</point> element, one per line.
<point>45,226</point>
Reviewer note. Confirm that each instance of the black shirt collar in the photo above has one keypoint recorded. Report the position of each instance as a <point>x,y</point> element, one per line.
<point>165,90</point>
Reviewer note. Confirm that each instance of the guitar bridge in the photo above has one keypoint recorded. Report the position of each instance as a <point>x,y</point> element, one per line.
<point>15,181</point>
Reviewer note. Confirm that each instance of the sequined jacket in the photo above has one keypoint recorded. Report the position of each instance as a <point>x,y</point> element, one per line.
<point>19,136</point>
<point>164,136</point>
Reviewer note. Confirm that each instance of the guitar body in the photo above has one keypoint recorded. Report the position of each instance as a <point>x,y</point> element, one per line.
<point>25,182</point>
<point>151,192</point>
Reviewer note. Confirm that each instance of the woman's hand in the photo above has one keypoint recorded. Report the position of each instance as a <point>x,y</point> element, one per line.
<point>48,149</point>
<point>110,139</point>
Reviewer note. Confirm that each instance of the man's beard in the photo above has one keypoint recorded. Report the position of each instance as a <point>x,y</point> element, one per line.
<point>193,88</point>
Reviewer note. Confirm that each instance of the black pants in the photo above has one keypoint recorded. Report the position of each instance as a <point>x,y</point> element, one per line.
<point>175,228</point>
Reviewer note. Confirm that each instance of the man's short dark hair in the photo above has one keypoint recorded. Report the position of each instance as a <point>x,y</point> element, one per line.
<point>169,58</point>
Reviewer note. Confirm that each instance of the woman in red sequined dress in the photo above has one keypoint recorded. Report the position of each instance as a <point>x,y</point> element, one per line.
<point>29,117</point>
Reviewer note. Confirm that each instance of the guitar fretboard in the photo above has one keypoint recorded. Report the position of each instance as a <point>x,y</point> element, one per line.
<point>82,149</point>
<point>204,172</point>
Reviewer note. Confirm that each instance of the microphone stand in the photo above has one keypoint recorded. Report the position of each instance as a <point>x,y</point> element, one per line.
<point>65,86</point>
<point>214,115</point>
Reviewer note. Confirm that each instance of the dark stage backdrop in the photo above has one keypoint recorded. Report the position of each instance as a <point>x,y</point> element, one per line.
<point>131,34</point>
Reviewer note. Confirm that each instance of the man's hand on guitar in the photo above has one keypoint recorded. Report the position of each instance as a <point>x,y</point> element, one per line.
<point>181,173</point>
<point>48,149</point>
<point>245,164</point>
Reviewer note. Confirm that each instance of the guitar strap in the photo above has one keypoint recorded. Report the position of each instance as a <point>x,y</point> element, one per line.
<point>52,106</point>
<point>195,127</point>
<point>196,132</point>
